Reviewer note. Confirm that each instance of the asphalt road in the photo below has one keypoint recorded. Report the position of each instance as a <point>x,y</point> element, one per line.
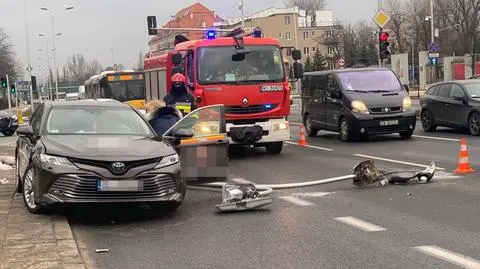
<point>329,226</point>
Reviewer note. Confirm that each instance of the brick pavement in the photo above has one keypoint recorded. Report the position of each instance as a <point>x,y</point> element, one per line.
<point>32,241</point>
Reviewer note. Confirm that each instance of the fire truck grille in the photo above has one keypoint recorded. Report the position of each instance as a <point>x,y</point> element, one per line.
<point>249,109</point>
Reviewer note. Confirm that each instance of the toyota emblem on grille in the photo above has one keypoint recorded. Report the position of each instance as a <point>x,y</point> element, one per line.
<point>118,166</point>
<point>245,102</point>
<point>386,109</point>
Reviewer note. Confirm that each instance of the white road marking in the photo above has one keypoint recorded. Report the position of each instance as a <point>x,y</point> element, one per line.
<point>311,194</point>
<point>296,201</point>
<point>360,224</point>
<point>308,146</point>
<point>395,161</point>
<point>437,138</point>
<point>240,180</point>
<point>449,256</point>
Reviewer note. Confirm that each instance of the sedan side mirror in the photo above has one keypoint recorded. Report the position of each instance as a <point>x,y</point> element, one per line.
<point>297,70</point>
<point>26,131</point>
<point>406,87</point>
<point>459,98</point>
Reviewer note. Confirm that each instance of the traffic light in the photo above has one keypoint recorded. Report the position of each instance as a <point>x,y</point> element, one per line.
<point>152,25</point>
<point>34,83</point>
<point>12,88</point>
<point>4,83</point>
<point>383,45</point>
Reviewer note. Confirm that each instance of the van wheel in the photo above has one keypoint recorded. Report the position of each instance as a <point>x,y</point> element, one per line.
<point>345,133</point>
<point>309,129</point>
<point>274,147</point>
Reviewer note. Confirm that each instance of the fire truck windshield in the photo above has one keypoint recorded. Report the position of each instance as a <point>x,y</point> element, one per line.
<point>261,64</point>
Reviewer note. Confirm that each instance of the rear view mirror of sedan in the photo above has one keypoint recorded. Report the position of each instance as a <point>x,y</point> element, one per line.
<point>25,131</point>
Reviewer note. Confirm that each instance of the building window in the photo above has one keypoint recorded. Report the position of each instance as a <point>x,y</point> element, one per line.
<point>288,20</point>
<point>330,33</point>
<point>331,65</point>
<point>305,35</point>
<point>306,51</point>
<point>288,36</point>
<point>330,50</point>
<point>313,33</point>
<point>289,52</point>
<point>279,35</point>
<point>314,49</point>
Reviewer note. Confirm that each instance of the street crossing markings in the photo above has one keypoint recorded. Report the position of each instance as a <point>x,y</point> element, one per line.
<point>296,201</point>
<point>308,146</point>
<point>360,224</point>
<point>437,138</point>
<point>449,256</point>
<point>396,161</point>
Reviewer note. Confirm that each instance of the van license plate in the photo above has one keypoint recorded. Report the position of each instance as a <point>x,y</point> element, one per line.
<point>388,122</point>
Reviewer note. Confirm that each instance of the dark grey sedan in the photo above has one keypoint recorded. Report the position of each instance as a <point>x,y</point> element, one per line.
<point>454,104</point>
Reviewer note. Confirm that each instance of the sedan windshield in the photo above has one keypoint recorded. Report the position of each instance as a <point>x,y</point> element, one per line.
<point>370,81</point>
<point>261,63</point>
<point>473,89</point>
<point>96,120</point>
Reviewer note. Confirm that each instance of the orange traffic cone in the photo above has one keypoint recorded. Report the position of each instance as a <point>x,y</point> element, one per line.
<point>463,162</point>
<point>302,141</point>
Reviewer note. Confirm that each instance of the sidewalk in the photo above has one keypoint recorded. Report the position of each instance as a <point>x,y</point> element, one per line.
<point>28,240</point>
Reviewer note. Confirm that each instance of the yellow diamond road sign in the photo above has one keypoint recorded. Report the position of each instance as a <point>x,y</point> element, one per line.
<point>381,19</point>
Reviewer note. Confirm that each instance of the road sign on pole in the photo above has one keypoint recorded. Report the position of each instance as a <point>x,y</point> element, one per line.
<point>433,60</point>
<point>433,47</point>
<point>341,63</point>
<point>381,18</point>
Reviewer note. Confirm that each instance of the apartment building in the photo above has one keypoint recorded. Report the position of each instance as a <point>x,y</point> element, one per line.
<point>293,29</point>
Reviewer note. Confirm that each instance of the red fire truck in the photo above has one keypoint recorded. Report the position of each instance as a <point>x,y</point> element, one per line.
<point>244,72</point>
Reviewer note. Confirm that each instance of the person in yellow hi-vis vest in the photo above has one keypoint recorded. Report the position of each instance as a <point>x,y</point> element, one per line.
<point>179,97</point>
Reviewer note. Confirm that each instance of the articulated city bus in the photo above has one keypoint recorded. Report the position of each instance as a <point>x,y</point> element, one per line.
<point>125,86</point>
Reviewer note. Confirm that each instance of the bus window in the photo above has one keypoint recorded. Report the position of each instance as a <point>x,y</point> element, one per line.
<point>136,89</point>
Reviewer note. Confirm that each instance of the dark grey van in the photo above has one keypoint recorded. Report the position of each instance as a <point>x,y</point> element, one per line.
<point>356,103</point>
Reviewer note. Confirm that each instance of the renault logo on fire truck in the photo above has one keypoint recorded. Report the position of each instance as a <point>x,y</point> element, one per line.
<point>245,102</point>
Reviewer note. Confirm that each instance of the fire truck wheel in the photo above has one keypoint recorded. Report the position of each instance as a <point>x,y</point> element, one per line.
<point>274,147</point>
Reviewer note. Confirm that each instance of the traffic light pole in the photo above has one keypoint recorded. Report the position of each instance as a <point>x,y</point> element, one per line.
<point>380,62</point>
<point>9,95</point>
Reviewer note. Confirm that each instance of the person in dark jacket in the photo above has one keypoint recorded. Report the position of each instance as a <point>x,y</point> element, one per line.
<point>179,96</point>
<point>163,117</point>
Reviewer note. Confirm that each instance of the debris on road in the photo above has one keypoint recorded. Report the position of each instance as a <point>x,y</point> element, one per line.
<point>101,250</point>
<point>8,160</point>
<point>241,197</point>
<point>367,173</point>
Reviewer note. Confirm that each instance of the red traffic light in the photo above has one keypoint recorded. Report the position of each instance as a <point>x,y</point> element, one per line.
<point>384,36</point>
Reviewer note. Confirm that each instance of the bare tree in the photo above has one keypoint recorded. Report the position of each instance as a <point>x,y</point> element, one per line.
<point>466,14</point>
<point>397,11</point>
<point>79,69</point>
<point>418,30</point>
<point>310,6</point>
<point>8,62</point>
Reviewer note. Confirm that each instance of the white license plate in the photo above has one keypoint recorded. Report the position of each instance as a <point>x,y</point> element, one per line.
<point>388,122</point>
<point>119,185</point>
<point>271,88</point>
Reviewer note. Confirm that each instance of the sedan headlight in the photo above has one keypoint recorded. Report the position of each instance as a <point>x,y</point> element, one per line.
<point>55,160</point>
<point>407,103</point>
<point>167,161</point>
<point>359,107</point>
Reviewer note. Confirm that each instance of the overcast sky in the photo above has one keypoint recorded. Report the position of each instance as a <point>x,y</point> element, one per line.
<point>93,27</point>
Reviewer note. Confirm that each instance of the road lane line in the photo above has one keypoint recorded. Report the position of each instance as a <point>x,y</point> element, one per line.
<point>360,224</point>
<point>308,146</point>
<point>449,256</point>
<point>296,201</point>
<point>240,180</point>
<point>311,194</point>
<point>396,161</point>
<point>436,138</point>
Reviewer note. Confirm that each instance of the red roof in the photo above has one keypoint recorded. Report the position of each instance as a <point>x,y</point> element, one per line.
<point>193,16</point>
